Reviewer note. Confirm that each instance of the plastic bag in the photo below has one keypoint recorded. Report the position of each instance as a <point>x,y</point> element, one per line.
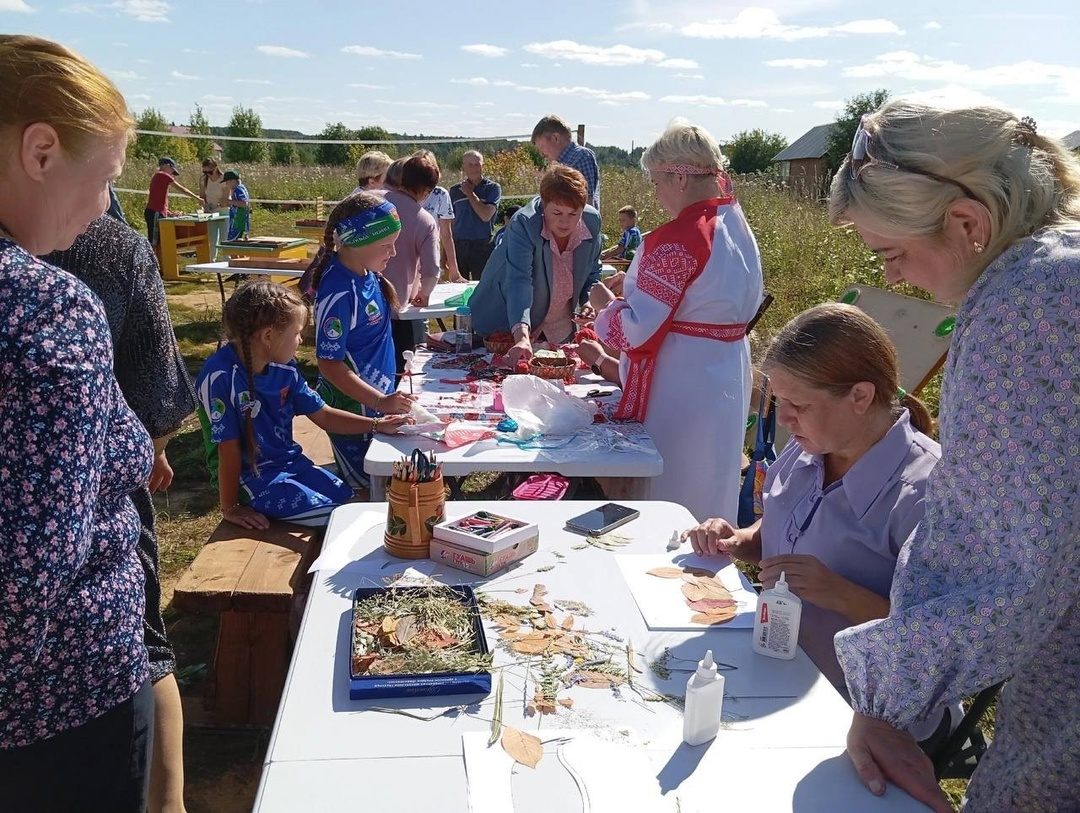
<point>541,408</point>
<point>423,421</point>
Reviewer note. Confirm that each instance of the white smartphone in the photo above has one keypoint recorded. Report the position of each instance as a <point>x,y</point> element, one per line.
<point>603,519</point>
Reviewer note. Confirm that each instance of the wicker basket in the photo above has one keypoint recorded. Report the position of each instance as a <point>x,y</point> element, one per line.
<point>497,345</point>
<point>553,368</point>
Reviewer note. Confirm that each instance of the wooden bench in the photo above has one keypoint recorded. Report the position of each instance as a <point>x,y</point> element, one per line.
<point>249,578</point>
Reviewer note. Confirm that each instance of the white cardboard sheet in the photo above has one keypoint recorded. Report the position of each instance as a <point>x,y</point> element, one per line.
<point>661,601</point>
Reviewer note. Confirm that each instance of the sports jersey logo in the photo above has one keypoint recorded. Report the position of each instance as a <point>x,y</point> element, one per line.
<point>217,409</point>
<point>332,327</point>
<point>372,308</point>
<point>246,403</point>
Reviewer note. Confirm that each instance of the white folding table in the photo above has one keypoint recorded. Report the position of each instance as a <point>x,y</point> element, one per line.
<point>619,453</point>
<point>780,747</point>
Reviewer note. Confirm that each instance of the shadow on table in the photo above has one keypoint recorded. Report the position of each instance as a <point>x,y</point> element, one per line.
<point>833,785</point>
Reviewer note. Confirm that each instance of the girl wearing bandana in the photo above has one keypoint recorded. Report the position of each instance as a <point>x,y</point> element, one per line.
<point>353,306</point>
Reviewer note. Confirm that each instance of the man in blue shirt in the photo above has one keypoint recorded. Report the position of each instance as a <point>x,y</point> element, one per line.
<point>552,137</point>
<point>476,202</point>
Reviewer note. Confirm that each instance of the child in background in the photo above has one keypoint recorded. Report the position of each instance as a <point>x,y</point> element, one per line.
<point>260,470</point>
<point>353,306</point>
<point>631,237</point>
<point>239,206</point>
<point>508,213</point>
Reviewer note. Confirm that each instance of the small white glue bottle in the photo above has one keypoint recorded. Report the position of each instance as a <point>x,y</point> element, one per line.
<point>704,702</point>
<point>776,627</point>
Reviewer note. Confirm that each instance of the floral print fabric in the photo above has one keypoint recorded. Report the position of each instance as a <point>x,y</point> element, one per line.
<point>988,587</point>
<point>71,587</point>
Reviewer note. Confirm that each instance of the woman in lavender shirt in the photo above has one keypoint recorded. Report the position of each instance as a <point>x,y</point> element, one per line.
<point>976,207</point>
<point>847,490</point>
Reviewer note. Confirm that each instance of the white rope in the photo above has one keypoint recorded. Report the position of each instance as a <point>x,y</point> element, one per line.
<point>325,141</point>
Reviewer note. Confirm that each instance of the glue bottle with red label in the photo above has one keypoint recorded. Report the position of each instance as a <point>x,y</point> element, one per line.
<point>776,627</point>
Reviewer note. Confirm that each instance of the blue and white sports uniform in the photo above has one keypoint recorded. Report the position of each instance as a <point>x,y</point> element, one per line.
<point>352,324</point>
<point>288,485</point>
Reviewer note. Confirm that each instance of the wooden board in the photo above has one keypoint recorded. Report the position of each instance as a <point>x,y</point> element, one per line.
<point>288,264</point>
<point>912,324</point>
<point>263,242</point>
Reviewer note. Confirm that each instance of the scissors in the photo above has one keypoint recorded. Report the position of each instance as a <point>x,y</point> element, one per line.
<point>423,465</point>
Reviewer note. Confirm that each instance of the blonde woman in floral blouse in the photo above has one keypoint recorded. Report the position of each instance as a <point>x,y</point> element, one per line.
<point>977,208</point>
<point>76,707</point>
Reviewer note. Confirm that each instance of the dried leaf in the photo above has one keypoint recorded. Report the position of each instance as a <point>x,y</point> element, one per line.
<point>406,629</point>
<point>718,617</point>
<point>695,592</point>
<point>545,706</point>
<point>596,680</point>
<point>507,622</point>
<point>496,717</point>
<point>539,591</point>
<point>707,605</point>
<point>530,647</point>
<point>361,663</point>
<point>566,702</point>
<point>530,709</point>
<point>568,623</point>
<point>388,628</point>
<point>666,572</point>
<point>524,748</point>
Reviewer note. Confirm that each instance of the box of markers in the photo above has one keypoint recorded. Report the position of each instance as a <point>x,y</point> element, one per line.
<point>485,531</point>
<point>481,563</point>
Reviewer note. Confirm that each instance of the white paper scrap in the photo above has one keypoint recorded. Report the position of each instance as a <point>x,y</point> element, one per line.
<point>345,546</point>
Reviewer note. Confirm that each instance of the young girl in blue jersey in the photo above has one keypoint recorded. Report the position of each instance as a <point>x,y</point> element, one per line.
<point>353,306</point>
<point>260,470</point>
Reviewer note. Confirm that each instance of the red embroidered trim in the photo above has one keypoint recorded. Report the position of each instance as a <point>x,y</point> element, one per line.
<point>703,330</point>
<point>664,273</point>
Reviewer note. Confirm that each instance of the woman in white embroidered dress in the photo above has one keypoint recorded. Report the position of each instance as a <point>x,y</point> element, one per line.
<point>681,328</point>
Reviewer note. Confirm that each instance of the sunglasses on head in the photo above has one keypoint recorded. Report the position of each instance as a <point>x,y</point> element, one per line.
<point>859,158</point>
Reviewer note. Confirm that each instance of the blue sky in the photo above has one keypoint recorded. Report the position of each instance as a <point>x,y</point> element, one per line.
<point>624,69</point>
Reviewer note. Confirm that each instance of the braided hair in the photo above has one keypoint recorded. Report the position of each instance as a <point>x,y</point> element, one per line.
<point>352,205</point>
<point>255,306</point>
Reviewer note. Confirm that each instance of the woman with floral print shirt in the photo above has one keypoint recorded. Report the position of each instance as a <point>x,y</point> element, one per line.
<point>974,206</point>
<point>76,707</point>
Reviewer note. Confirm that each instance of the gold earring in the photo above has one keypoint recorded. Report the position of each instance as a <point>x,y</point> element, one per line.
<point>977,247</point>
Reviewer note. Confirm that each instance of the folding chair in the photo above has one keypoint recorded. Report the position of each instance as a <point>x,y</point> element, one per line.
<point>960,753</point>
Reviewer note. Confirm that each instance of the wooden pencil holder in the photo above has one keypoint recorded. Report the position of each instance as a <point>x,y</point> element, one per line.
<point>414,509</point>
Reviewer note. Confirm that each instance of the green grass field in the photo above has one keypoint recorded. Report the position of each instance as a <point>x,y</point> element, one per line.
<point>805,262</point>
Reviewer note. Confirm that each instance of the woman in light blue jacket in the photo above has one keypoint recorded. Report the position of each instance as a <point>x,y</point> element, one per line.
<point>543,269</point>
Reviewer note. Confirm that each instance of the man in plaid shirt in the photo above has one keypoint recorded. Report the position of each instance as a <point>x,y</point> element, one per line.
<point>552,137</point>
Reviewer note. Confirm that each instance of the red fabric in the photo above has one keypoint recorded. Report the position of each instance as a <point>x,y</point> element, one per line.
<point>675,255</point>
<point>158,199</point>
<point>721,333</point>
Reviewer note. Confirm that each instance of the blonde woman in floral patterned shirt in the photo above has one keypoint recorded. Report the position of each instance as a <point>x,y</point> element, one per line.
<point>977,208</point>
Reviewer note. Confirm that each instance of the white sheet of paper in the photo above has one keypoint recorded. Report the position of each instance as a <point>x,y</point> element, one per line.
<point>345,546</point>
<point>612,775</point>
<point>661,601</point>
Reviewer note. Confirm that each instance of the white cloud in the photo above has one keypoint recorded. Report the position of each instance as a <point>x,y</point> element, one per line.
<point>837,105</point>
<point>761,23</point>
<point>145,11</point>
<point>748,103</point>
<point>485,50</point>
<point>917,68</point>
<point>122,74</point>
<point>952,96</point>
<point>696,101</point>
<point>932,26</point>
<point>579,90</point>
<point>478,81</point>
<point>798,64</point>
<point>679,64</point>
<point>483,104</point>
<point>16,5</point>
<point>211,98</point>
<point>425,105</point>
<point>367,50</point>
<point>529,65</point>
<point>688,76</point>
<point>178,75</point>
<point>280,50</point>
<point>366,86</point>
<point>140,96</point>
<point>612,56</point>
<point>253,81</point>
